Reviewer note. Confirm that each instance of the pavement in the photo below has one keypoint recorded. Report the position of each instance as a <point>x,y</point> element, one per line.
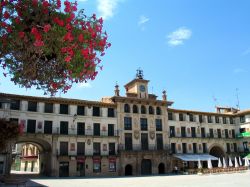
<point>211,180</point>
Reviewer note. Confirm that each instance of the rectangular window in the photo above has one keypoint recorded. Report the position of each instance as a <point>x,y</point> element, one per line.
<point>211,133</point>
<point>80,110</point>
<point>181,117</point>
<point>219,133</point>
<point>31,126</point>
<point>64,148</point>
<point>112,166</point>
<point>224,120</point>
<point>191,117</point>
<point>64,127</point>
<point>193,132</point>
<point>80,148</point>
<point>111,112</point>
<point>80,128</point>
<point>111,130</point>
<point>203,132</point>
<point>235,148</point>
<point>96,111</point>
<point>200,118</point>
<point>173,148</point>
<point>144,141</point>
<point>97,166</point>
<point>217,119</point>
<point>1,106</point>
<point>226,133</point>
<point>194,148</point>
<point>144,124</point>
<point>184,148</point>
<point>96,129</point>
<point>228,148</point>
<point>170,116</point>
<point>172,131</point>
<point>48,127</point>
<point>15,104</point>
<point>64,109</point>
<point>48,107</point>
<point>159,141</point>
<point>204,147</point>
<point>158,124</point>
<point>209,119</point>
<point>1,167</point>
<point>183,131</point>
<point>128,141</point>
<point>111,148</point>
<point>96,148</point>
<point>231,120</point>
<point>127,123</point>
<point>242,119</point>
<point>32,106</point>
<point>233,133</point>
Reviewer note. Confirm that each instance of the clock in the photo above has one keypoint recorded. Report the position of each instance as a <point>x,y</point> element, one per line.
<point>142,88</point>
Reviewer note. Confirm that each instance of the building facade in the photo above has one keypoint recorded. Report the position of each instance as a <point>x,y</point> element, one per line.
<point>135,134</point>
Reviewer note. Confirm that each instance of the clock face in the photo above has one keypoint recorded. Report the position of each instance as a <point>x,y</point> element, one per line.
<point>142,88</point>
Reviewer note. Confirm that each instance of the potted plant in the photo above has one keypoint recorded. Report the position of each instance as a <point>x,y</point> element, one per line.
<point>44,45</point>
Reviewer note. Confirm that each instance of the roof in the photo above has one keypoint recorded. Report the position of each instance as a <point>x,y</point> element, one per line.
<point>136,80</point>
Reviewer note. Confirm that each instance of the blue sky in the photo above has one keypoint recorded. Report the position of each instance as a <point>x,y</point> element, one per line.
<point>196,50</point>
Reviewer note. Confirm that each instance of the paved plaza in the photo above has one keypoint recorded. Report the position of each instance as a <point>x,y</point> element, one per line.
<point>213,180</point>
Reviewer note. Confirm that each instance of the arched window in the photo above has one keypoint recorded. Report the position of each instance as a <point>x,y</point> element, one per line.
<point>143,109</point>
<point>151,110</point>
<point>135,109</point>
<point>158,111</point>
<point>126,108</point>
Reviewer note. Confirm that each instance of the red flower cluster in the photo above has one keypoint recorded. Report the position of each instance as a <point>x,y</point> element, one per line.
<point>62,47</point>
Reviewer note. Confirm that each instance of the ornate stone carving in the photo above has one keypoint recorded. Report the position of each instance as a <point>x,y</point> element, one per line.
<point>152,134</point>
<point>136,134</point>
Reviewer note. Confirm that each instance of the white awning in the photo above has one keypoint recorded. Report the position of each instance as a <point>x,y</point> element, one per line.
<point>195,157</point>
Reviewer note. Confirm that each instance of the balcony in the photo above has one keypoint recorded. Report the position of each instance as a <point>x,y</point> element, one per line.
<point>88,152</point>
<point>139,147</point>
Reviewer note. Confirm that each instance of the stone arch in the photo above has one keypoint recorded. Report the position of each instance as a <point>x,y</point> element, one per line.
<point>128,170</point>
<point>161,168</point>
<point>216,150</point>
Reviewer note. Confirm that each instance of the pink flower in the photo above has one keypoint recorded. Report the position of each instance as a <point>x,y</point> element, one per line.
<point>67,59</point>
<point>47,28</point>
<point>21,34</point>
<point>38,43</point>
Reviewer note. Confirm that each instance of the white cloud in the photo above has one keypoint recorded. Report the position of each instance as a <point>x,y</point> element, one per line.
<point>246,52</point>
<point>84,85</point>
<point>142,21</point>
<point>82,0</point>
<point>106,8</point>
<point>177,37</point>
<point>239,70</point>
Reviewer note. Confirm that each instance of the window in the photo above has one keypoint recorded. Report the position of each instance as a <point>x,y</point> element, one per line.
<point>48,107</point>
<point>224,120</point>
<point>158,110</point>
<point>31,126</point>
<point>96,111</point>
<point>217,119</point>
<point>172,131</point>
<point>80,110</point>
<point>158,124</point>
<point>181,117</point>
<point>1,163</point>
<point>80,148</point>
<point>112,165</point>
<point>128,141</point>
<point>233,133</point>
<point>209,119</point>
<point>200,118</point>
<point>159,141</point>
<point>226,133</point>
<point>144,124</point>
<point>173,148</point>
<point>228,148</point>
<point>126,108</point>
<point>80,128</point>
<point>204,147</point>
<point>96,148</point>
<point>32,106</point>
<point>151,110</point>
<point>48,127</point>
<point>194,148</point>
<point>193,132</point>
<point>231,120</point>
<point>111,130</point>
<point>242,119</point>
<point>96,129</point>
<point>64,109</point>
<point>111,148</point>
<point>96,165</point>
<point>211,133</point>
<point>64,127</point>
<point>111,112</point>
<point>235,148</point>
<point>144,141</point>
<point>219,133</point>
<point>203,132</point>
<point>135,109</point>
<point>64,148</point>
<point>170,116</point>
<point>184,148</point>
<point>127,123</point>
<point>1,106</point>
<point>15,104</point>
<point>191,117</point>
<point>183,131</point>
<point>143,109</point>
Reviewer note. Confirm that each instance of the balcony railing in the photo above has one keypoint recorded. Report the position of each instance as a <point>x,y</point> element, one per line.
<point>140,147</point>
<point>206,136</point>
<point>88,152</point>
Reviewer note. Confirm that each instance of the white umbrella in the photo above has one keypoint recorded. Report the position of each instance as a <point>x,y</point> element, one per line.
<point>224,163</point>
<point>209,164</point>
<point>236,162</point>
<point>219,163</point>
<point>240,162</point>
<point>246,162</point>
<point>199,164</point>
<point>230,164</point>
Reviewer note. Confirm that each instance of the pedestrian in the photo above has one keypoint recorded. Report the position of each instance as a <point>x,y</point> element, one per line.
<point>176,170</point>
